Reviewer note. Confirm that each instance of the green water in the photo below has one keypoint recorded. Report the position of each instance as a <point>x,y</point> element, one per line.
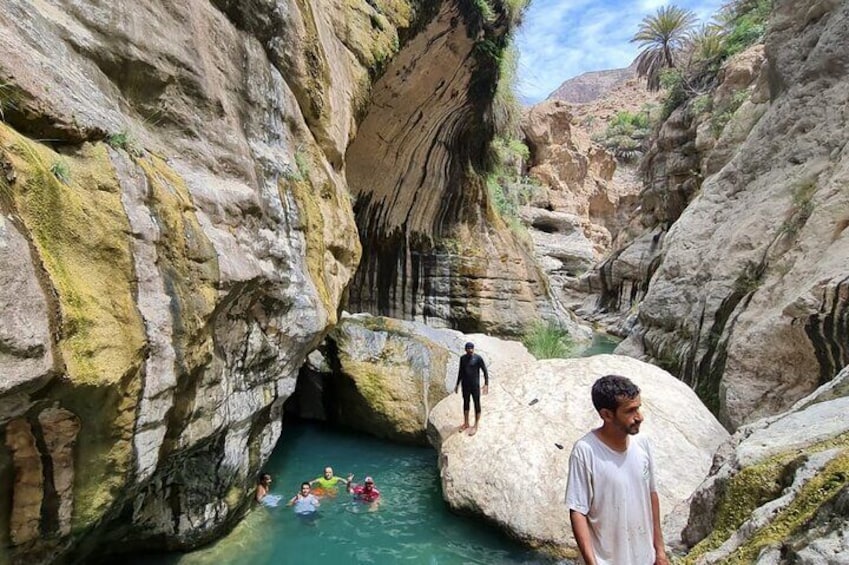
<point>601,343</point>
<point>412,524</point>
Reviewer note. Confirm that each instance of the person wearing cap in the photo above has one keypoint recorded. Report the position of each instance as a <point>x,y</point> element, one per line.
<point>366,492</point>
<point>468,375</point>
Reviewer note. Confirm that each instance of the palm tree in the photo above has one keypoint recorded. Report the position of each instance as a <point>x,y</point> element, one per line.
<point>661,37</point>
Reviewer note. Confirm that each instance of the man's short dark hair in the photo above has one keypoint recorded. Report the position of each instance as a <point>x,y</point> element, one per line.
<point>610,388</point>
<point>304,484</point>
<point>261,477</point>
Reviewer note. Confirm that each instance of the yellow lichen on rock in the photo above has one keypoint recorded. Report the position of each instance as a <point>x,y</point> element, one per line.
<point>79,230</point>
<point>758,484</point>
<point>71,207</point>
<point>371,30</point>
<point>330,244</point>
<point>188,262</point>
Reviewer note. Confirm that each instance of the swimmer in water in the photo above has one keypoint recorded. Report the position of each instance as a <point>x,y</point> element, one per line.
<point>366,492</point>
<point>328,483</point>
<point>262,486</point>
<point>305,503</point>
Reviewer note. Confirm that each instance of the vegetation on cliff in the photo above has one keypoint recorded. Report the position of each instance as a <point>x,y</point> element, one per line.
<point>684,58</point>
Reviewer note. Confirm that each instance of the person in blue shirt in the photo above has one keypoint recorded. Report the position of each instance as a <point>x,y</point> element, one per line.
<point>304,502</point>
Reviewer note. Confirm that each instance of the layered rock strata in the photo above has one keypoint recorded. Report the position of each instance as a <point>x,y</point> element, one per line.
<point>434,251</point>
<point>746,298</point>
<point>177,234</point>
<point>533,415</point>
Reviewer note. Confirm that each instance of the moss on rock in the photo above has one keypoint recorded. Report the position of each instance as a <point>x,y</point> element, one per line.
<point>756,485</point>
<point>80,232</point>
<point>188,263</point>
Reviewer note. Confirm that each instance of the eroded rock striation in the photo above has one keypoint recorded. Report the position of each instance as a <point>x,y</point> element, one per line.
<point>740,281</point>
<point>178,232</point>
<point>531,418</point>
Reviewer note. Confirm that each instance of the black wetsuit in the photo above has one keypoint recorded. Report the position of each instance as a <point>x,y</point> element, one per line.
<point>469,375</point>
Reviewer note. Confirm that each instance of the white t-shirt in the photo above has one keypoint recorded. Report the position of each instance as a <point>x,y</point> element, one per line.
<point>613,490</point>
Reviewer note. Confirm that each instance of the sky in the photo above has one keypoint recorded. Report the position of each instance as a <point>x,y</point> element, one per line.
<point>560,39</point>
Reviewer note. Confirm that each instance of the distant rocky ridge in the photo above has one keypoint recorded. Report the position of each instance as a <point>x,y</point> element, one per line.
<point>593,85</point>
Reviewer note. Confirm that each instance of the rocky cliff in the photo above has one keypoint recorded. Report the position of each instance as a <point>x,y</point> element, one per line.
<point>740,280</point>
<point>778,490</point>
<point>591,86</point>
<point>178,191</point>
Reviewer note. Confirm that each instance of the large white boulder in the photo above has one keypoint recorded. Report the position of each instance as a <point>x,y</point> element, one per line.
<point>515,469</point>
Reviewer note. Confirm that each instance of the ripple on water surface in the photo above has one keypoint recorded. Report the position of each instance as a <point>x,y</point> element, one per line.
<point>412,524</point>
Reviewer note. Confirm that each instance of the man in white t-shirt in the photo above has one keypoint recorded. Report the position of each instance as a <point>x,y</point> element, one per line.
<point>611,495</point>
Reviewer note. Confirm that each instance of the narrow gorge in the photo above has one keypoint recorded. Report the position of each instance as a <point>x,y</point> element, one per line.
<point>196,196</point>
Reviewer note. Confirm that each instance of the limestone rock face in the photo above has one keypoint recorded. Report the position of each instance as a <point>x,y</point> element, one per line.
<point>181,187</point>
<point>170,255</point>
<point>691,145</point>
<point>778,489</point>
<point>432,252</point>
<point>383,376</point>
<point>585,202</point>
<point>531,418</point>
<point>750,300</point>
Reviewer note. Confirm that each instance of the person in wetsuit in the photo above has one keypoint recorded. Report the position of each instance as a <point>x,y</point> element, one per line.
<point>468,374</point>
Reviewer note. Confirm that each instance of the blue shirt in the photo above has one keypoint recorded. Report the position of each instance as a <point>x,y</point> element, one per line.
<point>306,504</point>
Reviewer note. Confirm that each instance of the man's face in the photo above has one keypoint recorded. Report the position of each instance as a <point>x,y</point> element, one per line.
<point>368,486</point>
<point>470,350</point>
<point>305,490</point>
<point>627,417</point>
<point>328,472</point>
<point>266,480</point>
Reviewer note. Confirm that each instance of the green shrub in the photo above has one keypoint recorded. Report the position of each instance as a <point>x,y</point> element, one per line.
<point>61,171</point>
<point>702,104</point>
<point>745,24</point>
<point>724,114</point>
<point>547,340</point>
<point>485,10</point>
<point>8,98</point>
<point>801,209</point>
<point>627,134</point>
<point>672,81</point>
<point>750,278</point>
<point>126,141</point>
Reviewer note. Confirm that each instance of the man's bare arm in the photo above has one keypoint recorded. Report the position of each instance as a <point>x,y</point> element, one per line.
<point>581,530</point>
<point>659,549</point>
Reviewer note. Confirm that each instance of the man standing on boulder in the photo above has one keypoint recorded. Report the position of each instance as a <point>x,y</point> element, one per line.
<point>611,495</point>
<point>471,364</point>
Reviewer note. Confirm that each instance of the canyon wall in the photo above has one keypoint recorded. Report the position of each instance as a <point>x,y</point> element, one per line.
<point>179,231</point>
<point>739,283</point>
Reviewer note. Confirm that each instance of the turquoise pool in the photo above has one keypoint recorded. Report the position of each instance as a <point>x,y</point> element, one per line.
<point>412,525</point>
